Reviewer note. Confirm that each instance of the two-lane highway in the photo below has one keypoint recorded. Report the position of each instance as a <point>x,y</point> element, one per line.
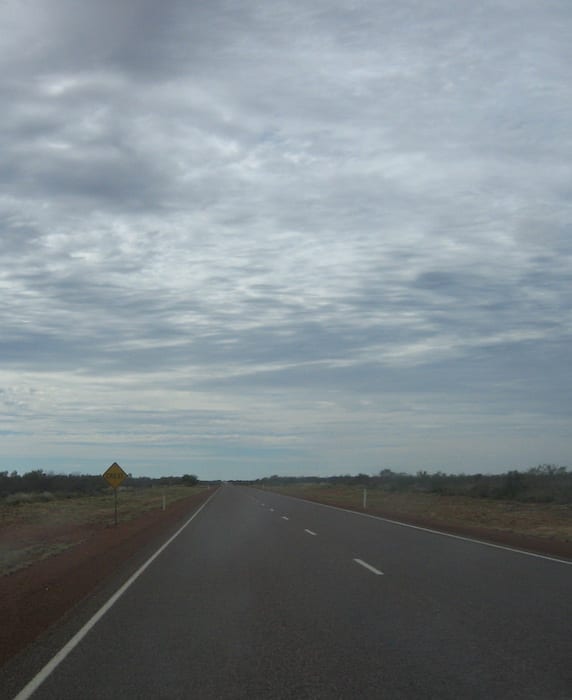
<point>266,596</point>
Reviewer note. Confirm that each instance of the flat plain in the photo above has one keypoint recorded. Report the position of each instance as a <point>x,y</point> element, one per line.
<point>545,526</point>
<point>32,530</point>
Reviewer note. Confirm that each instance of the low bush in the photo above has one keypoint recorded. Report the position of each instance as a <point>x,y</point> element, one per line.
<point>15,499</point>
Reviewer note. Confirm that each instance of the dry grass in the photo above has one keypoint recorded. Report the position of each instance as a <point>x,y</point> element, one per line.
<point>533,519</point>
<point>30,531</point>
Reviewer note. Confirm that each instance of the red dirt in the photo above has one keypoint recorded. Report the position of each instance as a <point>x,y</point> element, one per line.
<point>34,598</point>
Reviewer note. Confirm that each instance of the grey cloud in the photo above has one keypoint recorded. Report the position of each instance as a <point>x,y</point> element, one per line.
<point>495,380</point>
<point>220,203</point>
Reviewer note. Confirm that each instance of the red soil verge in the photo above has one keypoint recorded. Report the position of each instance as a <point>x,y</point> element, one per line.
<point>540,545</point>
<point>32,599</point>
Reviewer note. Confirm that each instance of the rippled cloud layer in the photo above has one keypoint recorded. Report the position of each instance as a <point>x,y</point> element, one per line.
<point>297,237</point>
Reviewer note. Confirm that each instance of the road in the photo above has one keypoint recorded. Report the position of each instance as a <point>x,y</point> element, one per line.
<point>266,596</point>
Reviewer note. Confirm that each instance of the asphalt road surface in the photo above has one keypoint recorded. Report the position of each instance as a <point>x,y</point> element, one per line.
<point>266,596</point>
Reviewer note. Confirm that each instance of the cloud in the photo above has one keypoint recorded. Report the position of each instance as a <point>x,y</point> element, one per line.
<point>255,234</point>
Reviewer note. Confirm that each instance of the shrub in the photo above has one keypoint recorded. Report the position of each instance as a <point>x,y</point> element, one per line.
<point>15,499</point>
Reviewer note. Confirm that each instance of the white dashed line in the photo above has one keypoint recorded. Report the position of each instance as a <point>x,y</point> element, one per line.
<point>369,567</point>
<point>435,532</point>
<point>285,517</point>
<point>272,510</point>
<point>311,533</point>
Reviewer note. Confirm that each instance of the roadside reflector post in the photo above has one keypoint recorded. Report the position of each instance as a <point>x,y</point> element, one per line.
<point>364,498</point>
<point>164,502</point>
<point>114,476</point>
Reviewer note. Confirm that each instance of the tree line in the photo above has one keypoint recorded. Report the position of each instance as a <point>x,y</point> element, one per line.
<point>544,483</point>
<point>40,481</point>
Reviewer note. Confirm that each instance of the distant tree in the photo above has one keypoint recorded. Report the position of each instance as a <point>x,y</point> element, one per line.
<point>548,470</point>
<point>34,480</point>
<point>189,480</point>
<point>513,483</point>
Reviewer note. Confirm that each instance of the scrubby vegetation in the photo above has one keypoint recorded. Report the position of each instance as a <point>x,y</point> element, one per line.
<point>546,483</point>
<point>38,485</point>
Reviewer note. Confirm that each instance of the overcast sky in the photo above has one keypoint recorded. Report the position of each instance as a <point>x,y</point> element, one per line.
<point>240,238</point>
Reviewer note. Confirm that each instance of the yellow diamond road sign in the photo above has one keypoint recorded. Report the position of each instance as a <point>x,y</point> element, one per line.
<point>114,475</point>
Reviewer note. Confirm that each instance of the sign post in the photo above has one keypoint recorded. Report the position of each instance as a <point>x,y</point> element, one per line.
<point>114,476</point>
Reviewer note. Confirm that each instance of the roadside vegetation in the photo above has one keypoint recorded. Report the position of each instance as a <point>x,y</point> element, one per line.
<point>36,525</point>
<point>536,503</point>
<point>38,485</point>
<point>42,513</point>
<point>546,483</point>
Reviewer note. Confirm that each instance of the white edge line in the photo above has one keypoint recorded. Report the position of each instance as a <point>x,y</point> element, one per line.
<point>310,532</point>
<point>56,660</point>
<point>433,532</point>
<point>369,567</point>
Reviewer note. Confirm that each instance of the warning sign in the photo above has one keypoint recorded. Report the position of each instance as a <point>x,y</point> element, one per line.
<point>114,475</point>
